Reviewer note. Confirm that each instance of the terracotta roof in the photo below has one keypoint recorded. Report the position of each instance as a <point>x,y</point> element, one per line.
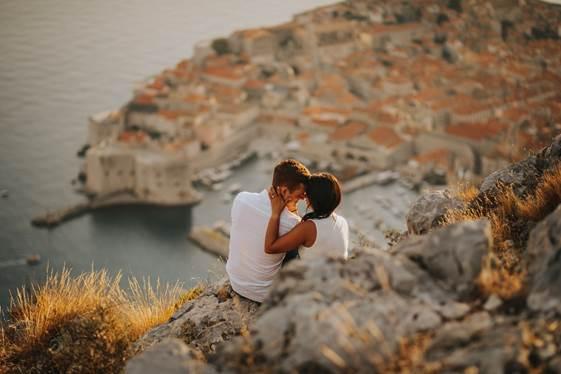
<point>254,84</point>
<point>387,119</point>
<point>269,118</point>
<point>226,72</point>
<point>183,64</point>
<point>174,114</point>
<point>375,106</point>
<point>385,136</point>
<point>144,99</point>
<point>515,114</point>
<point>132,137</point>
<point>438,157</point>
<point>348,131</point>
<point>469,107</point>
<point>318,110</point>
<point>158,84</point>
<point>477,131</point>
<point>325,122</point>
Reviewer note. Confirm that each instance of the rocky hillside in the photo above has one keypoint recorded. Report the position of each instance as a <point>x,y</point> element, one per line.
<point>432,303</point>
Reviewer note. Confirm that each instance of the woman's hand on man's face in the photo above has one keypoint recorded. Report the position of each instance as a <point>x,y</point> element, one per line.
<point>277,201</point>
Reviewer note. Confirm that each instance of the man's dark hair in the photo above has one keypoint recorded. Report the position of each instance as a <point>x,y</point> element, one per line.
<point>290,173</point>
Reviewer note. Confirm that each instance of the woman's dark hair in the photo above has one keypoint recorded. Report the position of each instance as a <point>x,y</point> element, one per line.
<point>324,194</point>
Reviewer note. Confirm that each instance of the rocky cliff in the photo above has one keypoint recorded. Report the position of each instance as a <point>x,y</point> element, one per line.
<point>428,304</point>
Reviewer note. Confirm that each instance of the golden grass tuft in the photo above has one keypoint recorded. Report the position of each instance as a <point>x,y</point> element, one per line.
<point>496,279</point>
<point>511,218</point>
<point>84,323</point>
<point>411,357</point>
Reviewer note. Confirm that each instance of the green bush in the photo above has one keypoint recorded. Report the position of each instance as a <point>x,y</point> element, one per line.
<point>221,46</point>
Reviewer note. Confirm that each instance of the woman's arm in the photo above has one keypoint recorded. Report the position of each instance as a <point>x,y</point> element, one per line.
<point>301,234</point>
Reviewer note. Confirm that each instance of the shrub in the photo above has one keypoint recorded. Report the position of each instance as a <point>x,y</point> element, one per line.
<point>221,46</point>
<point>82,324</point>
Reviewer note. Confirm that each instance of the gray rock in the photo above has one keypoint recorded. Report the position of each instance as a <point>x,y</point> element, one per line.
<point>452,254</point>
<point>214,317</point>
<point>544,264</point>
<point>325,314</point>
<point>428,211</point>
<point>525,175</point>
<point>483,347</point>
<point>170,356</point>
<point>544,240</point>
<point>522,176</point>
<point>492,303</point>
<point>307,333</point>
<point>454,334</point>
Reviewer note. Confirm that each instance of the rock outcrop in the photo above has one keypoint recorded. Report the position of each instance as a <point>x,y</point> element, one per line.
<point>429,210</point>
<point>544,252</point>
<point>523,176</point>
<point>214,317</point>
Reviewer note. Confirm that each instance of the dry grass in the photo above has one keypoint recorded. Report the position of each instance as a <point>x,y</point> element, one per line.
<point>411,357</point>
<point>82,324</point>
<point>512,218</point>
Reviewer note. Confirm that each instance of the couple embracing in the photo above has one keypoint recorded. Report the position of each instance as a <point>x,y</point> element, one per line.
<point>267,231</point>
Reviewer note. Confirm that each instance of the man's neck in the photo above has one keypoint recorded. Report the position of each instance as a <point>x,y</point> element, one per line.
<point>292,208</point>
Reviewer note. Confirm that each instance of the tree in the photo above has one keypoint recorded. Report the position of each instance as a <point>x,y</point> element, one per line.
<point>221,46</point>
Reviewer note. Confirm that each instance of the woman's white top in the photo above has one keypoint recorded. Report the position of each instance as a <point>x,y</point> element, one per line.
<point>332,238</point>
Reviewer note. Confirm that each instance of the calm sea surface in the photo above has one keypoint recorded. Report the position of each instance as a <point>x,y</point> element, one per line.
<point>61,61</point>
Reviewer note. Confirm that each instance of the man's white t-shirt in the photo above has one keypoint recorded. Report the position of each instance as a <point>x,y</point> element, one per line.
<point>250,269</point>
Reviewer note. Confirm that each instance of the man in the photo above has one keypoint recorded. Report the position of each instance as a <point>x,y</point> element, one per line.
<point>250,269</point>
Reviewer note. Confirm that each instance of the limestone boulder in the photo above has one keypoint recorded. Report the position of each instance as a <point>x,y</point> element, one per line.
<point>428,211</point>
<point>214,317</point>
<point>452,255</point>
<point>478,342</point>
<point>170,356</point>
<point>544,264</point>
<point>525,175</point>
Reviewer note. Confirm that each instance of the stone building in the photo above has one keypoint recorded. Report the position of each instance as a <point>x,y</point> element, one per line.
<point>104,126</point>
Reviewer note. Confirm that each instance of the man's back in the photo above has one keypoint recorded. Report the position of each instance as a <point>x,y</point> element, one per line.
<point>250,269</point>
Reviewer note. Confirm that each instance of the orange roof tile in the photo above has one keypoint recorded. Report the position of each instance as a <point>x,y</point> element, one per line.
<point>348,131</point>
<point>174,114</point>
<point>144,99</point>
<point>318,110</point>
<point>325,122</point>
<point>477,131</point>
<point>438,157</point>
<point>385,136</point>
<point>225,72</point>
<point>132,137</point>
<point>254,84</point>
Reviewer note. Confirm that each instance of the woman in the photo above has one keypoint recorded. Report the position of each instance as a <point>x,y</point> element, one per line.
<point>322,230</point>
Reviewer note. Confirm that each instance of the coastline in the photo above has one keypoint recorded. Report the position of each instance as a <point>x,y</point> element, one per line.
<point>54,218</point>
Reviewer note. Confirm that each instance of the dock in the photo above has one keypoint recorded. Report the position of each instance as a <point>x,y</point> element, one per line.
<point>210,239</point>
<point>54,218</point>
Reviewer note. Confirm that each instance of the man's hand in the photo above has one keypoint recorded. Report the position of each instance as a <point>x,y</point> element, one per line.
<point>277,201</point>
